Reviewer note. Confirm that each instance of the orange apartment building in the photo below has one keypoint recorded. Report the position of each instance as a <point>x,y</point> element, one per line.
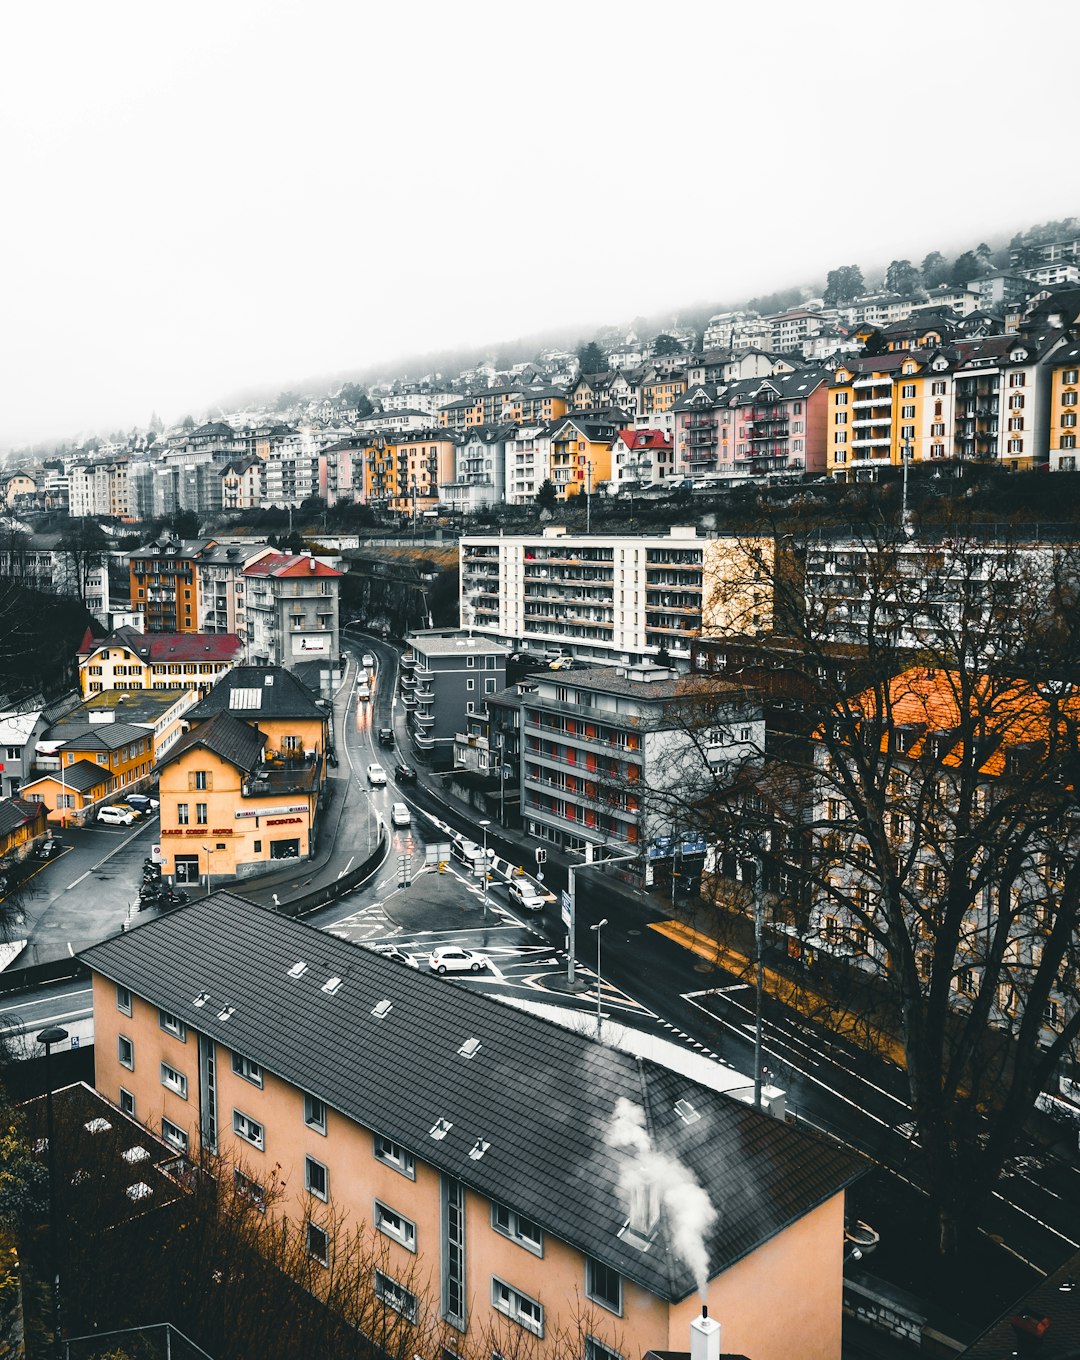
<point>241,788</point>
<point>515,1175</point>
<point>165,584</point>
<point>580,456</point>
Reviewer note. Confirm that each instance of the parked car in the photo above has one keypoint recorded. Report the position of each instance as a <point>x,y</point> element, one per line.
<point>116,816</point>
<point>400,815</point>
<point>392,951</point>
<point>451,958</point>
<point>125,806</point>
<point>525,896</point>
<point>47,849</point>
<point>404,774</point>
<point>142,802</point>
<point>376,775</point>
<point>386,736</point>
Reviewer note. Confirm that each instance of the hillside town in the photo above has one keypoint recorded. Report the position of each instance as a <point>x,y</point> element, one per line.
<point>682,697</point>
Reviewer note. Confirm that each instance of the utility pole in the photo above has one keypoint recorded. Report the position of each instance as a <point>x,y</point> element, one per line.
<point>759,981</point>
<point>575,869</point>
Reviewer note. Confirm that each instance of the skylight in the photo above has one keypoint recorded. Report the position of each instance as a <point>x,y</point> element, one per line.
<point>97,1126</point>
<point>245,698</point>
<point>135,1154</point>
<point>686,1112</point>
<point>298,969</point>
<point>382,1009</point>
<point>470,1048</point>
<point>140,1190</point>
<point>332,986</point>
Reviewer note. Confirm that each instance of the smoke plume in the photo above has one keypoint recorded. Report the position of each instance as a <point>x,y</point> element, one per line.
<point>651,1181</point>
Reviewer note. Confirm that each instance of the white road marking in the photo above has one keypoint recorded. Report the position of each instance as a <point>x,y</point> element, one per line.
<point>78,880</point>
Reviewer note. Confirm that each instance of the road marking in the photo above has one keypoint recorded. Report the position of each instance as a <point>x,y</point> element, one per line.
<point>79,880</point>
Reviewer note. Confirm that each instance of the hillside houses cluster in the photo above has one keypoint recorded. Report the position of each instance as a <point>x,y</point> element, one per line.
<point>756,399</point>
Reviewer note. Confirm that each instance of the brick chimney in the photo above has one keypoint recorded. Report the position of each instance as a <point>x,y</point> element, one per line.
<point>704,1337</point>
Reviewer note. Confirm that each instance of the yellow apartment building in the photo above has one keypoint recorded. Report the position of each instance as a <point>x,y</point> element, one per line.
<point>523,1182</point>
<point>241,789</point>
<point>1064,408</point>
<point>130,660</point>
<point>581,454</point>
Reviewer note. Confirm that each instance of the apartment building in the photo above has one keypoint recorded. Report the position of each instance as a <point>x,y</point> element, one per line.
<point>528,462</point>
<point>479,476</point>
<point>517,1175</point>
<point>243,484</point>
<point>1064,374</point>
<point>447,675</point>
<point>1002,391</point>
<point>641,458</point>
<point>405,470</point>
<point>51,562</point>
<point>620,754</point>
<point>757,427</point>
<point>241,789</point>
<point>219,573</point>
<point>614,597</point>
<point>99,490</point>
<point>291,610</point>
<point>19,733</point>
<point>130,660</point>
<point>164,584</point>
<point>861,414</point>
<point>581,453</point>
<point>81,764</point>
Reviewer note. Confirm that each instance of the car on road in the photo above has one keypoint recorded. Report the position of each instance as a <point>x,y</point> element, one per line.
<point>404,774</point>
<point>527,897</point>
<point>47,849</point>
<point>376,775</point>
<point>363,691</point>
<point>116,816</point>
<point>451,958</point>
<point>367,660</point>
<point>399,955</point>
<point>142,802</point>
<point>386,736</point>
<point>467,852</point>
<point>400,815</point>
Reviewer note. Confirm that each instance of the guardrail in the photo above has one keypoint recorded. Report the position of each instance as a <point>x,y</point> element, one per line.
<point>322,897</point>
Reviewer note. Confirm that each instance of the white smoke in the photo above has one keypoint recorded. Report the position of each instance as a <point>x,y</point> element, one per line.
<point>650,1180</point>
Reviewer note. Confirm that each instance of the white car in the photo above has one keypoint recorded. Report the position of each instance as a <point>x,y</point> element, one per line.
<point>115,816</point>
<point>367,660</point>
<point>376,775</point>
<point>450,958</point>
<point>528,898</point>
<point>400,815</point>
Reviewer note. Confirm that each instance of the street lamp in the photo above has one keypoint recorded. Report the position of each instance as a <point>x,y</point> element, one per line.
<point>53,1035</point>
<point>599,1017</point>
<point>485,823</point>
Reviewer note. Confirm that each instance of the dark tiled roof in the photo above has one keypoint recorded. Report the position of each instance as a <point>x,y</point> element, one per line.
<point>1056,1298</point>
<point>99,736</point>
<point>542,1097</point>
<point>16,812</point>
<point>259,692</point>
<point>83,776</point>
<point>226,737</point>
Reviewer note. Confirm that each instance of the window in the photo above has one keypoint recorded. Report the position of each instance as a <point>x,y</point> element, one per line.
<point>174,1081</point>
<point>1016,403</point>
<point>123,999</point>
<point>250,1190</point>
<point>125,1052</point>
<point>937,389</point>
<point>183,815</point>
<point>908,390</point>
<point>390,1222</point>
<point>1071,375</point>
<point>318,1244</point>
<point>316,1178</point>
<point>174,1135</point>
<point>512,1303</point>
<point>396,1296</point>
<point>1017,379</point>
<point>250,1130</point>
<point>1016,422</point>
<point>246,1068</point>
<point>200,779</point>
<point>393,1154</point>
<point>596,1350</point>
<point>470,684</point>
<point>1068,420</point>
<point>172,1024</point>
<point>521,1230</point>
<point>315,1114</point>
<point>200,814</point>
<point>603,1285</point>
<point>841,418</point>
<point>841,398</point>
<point>907,413</point>
<point>127,1102</point>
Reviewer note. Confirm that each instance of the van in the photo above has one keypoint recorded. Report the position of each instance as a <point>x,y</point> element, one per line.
<point>524,895</point>
<point>467,852</point>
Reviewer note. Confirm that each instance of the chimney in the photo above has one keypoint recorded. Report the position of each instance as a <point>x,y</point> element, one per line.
<point>311,564</point>
<point>704,1337</point>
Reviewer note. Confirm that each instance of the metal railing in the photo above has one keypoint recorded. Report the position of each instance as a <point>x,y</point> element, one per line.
<point>159,1341</point>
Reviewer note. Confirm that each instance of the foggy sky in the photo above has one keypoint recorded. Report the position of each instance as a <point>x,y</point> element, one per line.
<point>204,197</point>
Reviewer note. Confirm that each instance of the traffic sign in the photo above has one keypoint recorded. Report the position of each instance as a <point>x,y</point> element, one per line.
<point>564,903</point>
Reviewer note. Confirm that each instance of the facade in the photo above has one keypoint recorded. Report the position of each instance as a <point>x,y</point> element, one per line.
<point>21,823</point>
<point>511,1206</point>
<point>49,562</point>
<point>641,458</point>
<point>81,766</point>
<point>165,584</point>
<point>19,733</point>
<point>581,454</point>
<point>219,571</point>
<point>528,462</point>
<point>1002,399</point>
<point>447,675</point>
<point>479,476</point>
<point>159,712</point>
<point>753,428</point>
<point>243,484</point>
<point>99,490</point>
<point>242,787</point>
<point>617,754</point>
<point>1064,375</point>
<point>131,660</point>
<point>404,470</point>
<point>614,597</point>
<point>290,610</point>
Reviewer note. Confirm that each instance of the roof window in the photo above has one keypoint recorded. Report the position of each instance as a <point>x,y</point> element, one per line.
<point>382,1009</point>
<point>332,985</point>
<point>470,1048</point>
<point>298,969</point>
<point>686,1112</point>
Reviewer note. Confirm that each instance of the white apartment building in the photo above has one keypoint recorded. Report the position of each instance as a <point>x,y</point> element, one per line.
<point>528,462</point>
<point>98,491</point>
<point>614,597</point>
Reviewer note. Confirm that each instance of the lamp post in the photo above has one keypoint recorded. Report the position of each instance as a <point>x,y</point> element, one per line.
<point>485,823</point>
<point>209,852</point>
<point>599,927</point>
<point>53,1035</point>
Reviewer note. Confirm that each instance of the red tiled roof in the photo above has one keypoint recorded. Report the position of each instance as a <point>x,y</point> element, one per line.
<point>285,564</point>
<point>645,439</point>
<point>159,647</point>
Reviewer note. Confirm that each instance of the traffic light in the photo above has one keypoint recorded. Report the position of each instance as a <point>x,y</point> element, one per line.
<point>541,856</point>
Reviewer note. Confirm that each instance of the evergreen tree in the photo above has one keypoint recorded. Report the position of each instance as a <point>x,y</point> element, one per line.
<point>935,269</point>
<point>591,358</point>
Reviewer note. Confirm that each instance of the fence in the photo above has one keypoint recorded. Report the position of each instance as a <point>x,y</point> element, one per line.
<point>159,1341</point>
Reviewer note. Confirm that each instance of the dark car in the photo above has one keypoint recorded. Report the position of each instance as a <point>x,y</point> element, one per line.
<point>405,774</point>
<point>386,736</point>
<point>47,849</point>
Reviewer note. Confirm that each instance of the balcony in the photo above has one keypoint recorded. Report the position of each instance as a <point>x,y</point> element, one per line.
<point>424,694</point>
<point>408,702</point>
<point>424,719</point>
<point>288,774</point>
<point>875,443</point>
<point>535,804</point>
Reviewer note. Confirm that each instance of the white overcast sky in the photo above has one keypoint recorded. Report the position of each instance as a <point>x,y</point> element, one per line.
<point>203,196</point>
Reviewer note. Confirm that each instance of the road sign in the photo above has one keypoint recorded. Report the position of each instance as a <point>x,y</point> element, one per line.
<point>155,853</point>
<point>541,855</point>
<point>564,903</point>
